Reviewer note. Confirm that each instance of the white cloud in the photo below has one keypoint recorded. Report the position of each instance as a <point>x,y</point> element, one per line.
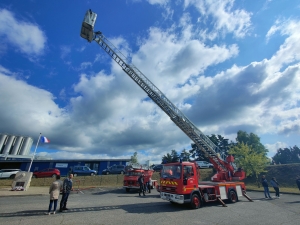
<point>274,147</point>
<point>65,51</point>
<point>289,51</point>
<point>226,18</point>
<point>173,61</point>
<point>159,2</point>
<point>30,105</point>
<point>26,36</point>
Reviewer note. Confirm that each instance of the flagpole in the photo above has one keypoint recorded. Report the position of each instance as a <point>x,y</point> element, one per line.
<point>34,152</point>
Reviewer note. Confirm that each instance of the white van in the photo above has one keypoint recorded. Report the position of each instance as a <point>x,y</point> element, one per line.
<point>9,173</point>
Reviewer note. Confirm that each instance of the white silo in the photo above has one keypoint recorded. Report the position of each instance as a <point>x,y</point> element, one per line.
<point>8,144</point>
<point>17,145</point>
<point>26,146</point>
<point>2,141</point>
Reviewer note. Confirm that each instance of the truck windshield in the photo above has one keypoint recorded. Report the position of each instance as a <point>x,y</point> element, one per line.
<point>132,173</point>
<point>173,171</point>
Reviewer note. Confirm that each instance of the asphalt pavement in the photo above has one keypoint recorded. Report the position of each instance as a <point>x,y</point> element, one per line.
<point>111,205</point>
<point>6,191</point>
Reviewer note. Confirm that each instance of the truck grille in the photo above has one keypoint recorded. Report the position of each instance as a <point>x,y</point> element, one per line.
<point>168,189</point>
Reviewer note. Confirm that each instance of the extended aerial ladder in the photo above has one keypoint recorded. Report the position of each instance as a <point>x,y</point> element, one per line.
<point>225,168</point>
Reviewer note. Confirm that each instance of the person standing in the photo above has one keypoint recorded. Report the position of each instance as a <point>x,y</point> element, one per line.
<point>67,188</point>
<point>264,183</point>
<point>149,185</point>
<point>54,191</point>
<point>141,183</point>
<point>275,185</point>
<point>298,181</point>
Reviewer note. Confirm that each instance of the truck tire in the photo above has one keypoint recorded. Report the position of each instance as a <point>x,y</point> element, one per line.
<point>195,202</point>
<point>12,176</point>
<point>53,176</point>
<point>107,173</point>
<point>232,196</point>
<point>34,176</point>
<point>127,189</point>
<point>75,174</point>
<point>92,174</point>
<point>122,172</point>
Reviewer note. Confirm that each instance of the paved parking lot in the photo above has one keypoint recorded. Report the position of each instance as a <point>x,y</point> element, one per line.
<point>115,206</point>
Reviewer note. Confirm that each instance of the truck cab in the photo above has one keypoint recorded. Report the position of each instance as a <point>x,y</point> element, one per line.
<point>180,183</point>
<point>177,181</point>
<point>131,178</point>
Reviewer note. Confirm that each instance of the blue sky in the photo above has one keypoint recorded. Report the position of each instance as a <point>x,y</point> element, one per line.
<point>227,65</point>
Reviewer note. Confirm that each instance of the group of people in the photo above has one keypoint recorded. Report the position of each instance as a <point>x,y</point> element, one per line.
<point>275,185</point>
<point>56,187</point>
<point>144,185</point>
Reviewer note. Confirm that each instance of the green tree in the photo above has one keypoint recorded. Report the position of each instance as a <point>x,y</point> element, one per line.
<point>185,155</point>
<point>287,155</point>
<point>197,153</point>
<point>252,140</point>
<point>134,158</point>
<point>252,162</point>
<point>221,142</point>
<point>173,157</point>
<point>166,158</point>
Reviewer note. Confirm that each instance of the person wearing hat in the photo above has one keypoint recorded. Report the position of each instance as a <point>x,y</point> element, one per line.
<point>141,183</point>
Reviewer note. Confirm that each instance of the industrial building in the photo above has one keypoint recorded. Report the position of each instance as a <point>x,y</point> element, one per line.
<point>63,165</point>
<point>14,145</point>
<point>14,154</point>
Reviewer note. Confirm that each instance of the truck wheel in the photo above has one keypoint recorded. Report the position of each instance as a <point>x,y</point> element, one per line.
<point>75,174</point>
<point>107,173</point>
<point>122,172</point>
<point>195,202</point>
<point>12,176</point>
<point>232,196</point>
<point>127,189</point>
<point>34,176</point>
<point>53,175</point>
<point>92,174</point>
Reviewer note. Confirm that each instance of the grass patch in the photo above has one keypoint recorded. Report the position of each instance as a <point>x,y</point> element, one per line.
<point>288,190</point>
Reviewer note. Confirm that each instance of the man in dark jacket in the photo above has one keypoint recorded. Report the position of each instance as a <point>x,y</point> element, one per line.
<point>264,183</point>
<point>275,185</point>
<point>298,181</point>
<point>67,188</point>
<point>141,183</point>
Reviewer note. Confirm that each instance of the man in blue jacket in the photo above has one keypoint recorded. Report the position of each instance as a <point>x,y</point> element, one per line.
<point>264,183</point>
<point>67,188</point>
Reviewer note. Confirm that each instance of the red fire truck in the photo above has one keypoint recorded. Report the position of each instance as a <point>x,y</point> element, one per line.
<point>179,182</point>
<point>133,172</point>
<point>182,185</point>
